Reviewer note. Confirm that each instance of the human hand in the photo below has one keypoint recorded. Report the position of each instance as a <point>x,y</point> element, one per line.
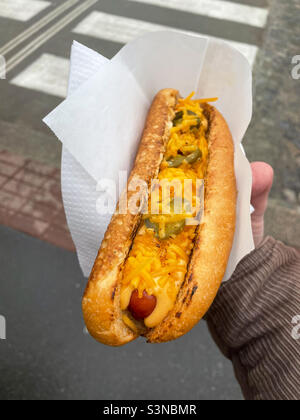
<point>262,175</point>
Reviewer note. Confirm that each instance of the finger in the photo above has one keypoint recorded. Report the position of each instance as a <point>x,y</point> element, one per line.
<point>262,176</point>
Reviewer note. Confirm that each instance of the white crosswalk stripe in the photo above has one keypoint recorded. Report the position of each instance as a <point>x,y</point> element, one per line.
<point>22,10</point>
<point>41,75</point>
<point>48,74</point>
<point>218,9</point>
<point>48,34</point>
<point>36,26</point>
<point>120,29</point>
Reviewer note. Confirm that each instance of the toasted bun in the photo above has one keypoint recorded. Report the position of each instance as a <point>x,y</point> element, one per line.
<point>214,237</point>
<point>101,301</point>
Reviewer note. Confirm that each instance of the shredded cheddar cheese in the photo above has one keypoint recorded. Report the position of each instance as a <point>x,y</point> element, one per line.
<point>157,262</point>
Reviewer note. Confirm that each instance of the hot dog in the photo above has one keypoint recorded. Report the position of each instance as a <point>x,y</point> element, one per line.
<point>156,273</point>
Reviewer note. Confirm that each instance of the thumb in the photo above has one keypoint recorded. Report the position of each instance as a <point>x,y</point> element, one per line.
<point>262,180</point>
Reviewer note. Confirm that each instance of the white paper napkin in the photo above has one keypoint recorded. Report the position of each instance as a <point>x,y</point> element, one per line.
<point>101,121</point>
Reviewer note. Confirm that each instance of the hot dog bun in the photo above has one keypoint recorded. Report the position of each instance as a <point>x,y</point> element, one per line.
<point>101,302</point>
<point>214,239</point>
